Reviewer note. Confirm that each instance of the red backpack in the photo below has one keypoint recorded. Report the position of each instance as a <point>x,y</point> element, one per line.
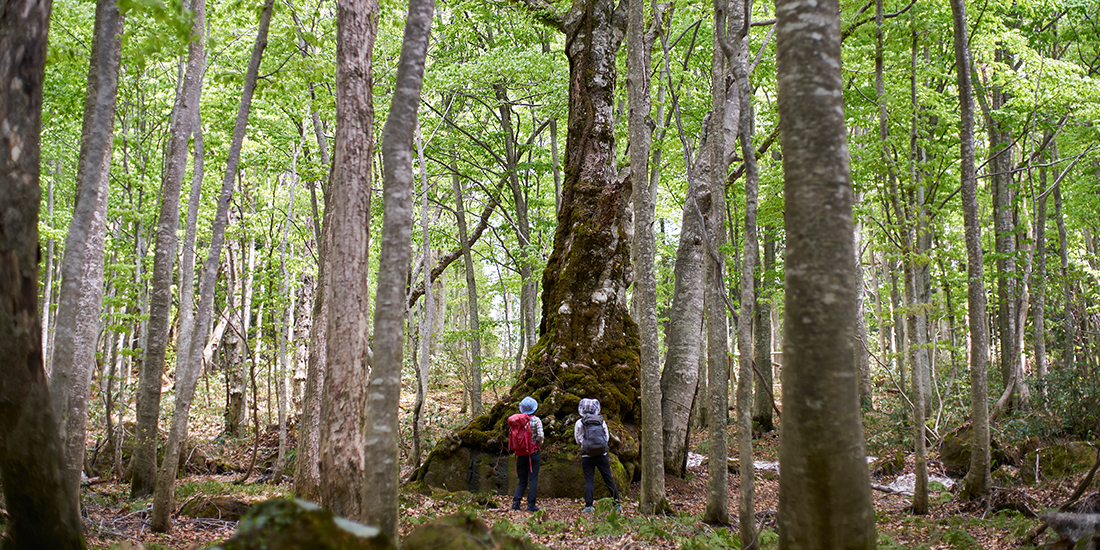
<point>520,440</point>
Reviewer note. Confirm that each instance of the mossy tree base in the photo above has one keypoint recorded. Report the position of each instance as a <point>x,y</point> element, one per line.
<point>588,345</point>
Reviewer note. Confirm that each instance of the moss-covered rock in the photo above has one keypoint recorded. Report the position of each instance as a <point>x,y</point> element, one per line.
<point>229,509</point>
<point>1057,461</point>
<point>459,532</point>
<point>954,452</point>
<point>888,466</point>
<point>285,524</point>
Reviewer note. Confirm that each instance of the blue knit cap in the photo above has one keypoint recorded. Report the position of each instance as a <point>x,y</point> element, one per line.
<point>528,405</point>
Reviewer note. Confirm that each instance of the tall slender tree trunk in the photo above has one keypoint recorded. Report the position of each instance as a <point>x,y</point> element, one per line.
<point>187,373</point>
<point>307,469</point>
<point>738,58</point>
<point>80,301</point>
<point>471,296</point>
<point>152,368</point>
<point>343,459</point>
<point>426,318</point>
<point>42,514</point>
<point>652,498</point>
<point>824,492</point>
<point>714,306</point>
<point>1038,318</point>
<point>762,417</point>
<point>286,337</point>
<point>1069,353</point>
<point>978,482</point>
<point>680,378</point>
<point>382,469</point>
<point>47,285</point>
<point>528,298</point>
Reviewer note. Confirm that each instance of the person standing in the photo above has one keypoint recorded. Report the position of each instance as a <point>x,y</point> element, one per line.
<point>592,435</point>
<point>525,438</point>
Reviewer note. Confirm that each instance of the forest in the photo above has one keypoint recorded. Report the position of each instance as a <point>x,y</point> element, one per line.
<point>302,260</point>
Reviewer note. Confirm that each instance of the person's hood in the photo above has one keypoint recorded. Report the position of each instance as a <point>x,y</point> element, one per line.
<point>589,406</point>
<point>528,405</point>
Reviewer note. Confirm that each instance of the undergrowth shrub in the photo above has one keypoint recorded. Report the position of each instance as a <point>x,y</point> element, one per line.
<point>1066,403</point>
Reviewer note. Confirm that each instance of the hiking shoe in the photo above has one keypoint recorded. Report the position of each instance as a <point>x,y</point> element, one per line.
<point>532,508</point>
<point>619,508</point>
<point>515,506</point>
<point>587,510</point>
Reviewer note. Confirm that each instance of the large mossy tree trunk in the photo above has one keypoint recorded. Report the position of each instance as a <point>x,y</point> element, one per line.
<point>588,344</point>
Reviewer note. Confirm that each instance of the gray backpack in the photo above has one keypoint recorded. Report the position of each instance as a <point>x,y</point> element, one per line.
<point>595,440</point>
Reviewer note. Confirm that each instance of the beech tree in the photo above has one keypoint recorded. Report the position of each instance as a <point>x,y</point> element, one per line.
<point>978,480</point>
<point>382,467</point>
<point>43,514</point>
<point>342,452</point>
<point>80,302</point>
<point>824,492</point>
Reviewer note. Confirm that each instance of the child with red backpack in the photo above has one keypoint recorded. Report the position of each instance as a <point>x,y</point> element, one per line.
<point>525,439</point>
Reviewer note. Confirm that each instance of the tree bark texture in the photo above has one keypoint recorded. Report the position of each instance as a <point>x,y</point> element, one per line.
<point>471,297</point>
<point>160,302</point>
<point>382,469</point>
<point>652,498</point>
<point>42,514</point>
<point>824,492</point>
<point>588,344</point>
<point>187,373</point>
<point>81,299</point>
<point>680,376</point>
<point>714,305</point>
<point>346,293</point>
<point>762,418</point>
<point>978,481</point>
<point>307,470</point>
<point>739,62</point>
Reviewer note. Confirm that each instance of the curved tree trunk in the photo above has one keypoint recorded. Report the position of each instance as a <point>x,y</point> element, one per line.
<point>187,372</point>
<point>824,492</point>
<point>381,471</point>
<point>680,376</point>
<point>81,299</point>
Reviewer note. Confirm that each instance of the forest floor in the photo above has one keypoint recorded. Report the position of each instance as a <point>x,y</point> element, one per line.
<point>114,520</point>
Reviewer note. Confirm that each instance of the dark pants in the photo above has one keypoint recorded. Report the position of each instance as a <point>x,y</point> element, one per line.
<point>527,470</point>
<point>589,464</point>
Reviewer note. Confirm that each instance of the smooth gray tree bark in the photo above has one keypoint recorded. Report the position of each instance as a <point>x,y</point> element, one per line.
<point>652,498</point>
<point>160,303</point>
<point>476,407</point>
<point>42,514</point>
<point>714,305</point>
<point>824,492</point>
<point>80,302</point>
<point>762,417</point>
<point>737,53</point>
<point>187,373</point>
<point>978,482</point>
<point>380,506</point>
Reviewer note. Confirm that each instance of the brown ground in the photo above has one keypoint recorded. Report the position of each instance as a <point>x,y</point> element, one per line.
<point>112,518</point>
